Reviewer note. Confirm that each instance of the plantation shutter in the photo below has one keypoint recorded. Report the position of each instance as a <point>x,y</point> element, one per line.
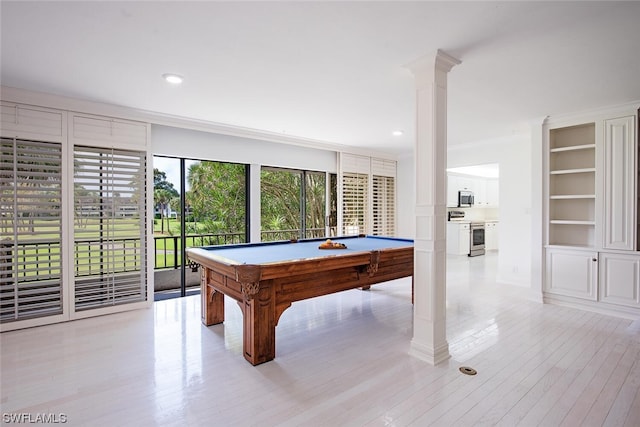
<point>355,194</point>
<point>30,229</point>
<point>355,197</point>
<point>109,227</point>
<point>383,197</point>
<point>368,195</point>
<point>31,123</point>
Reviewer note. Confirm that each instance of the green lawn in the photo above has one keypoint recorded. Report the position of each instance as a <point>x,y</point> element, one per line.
<point>42,252</point>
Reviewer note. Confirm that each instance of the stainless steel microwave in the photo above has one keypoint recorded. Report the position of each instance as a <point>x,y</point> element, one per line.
<point>465,199</point>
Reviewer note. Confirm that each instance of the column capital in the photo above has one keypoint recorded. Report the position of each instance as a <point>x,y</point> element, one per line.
<point>428,64</point>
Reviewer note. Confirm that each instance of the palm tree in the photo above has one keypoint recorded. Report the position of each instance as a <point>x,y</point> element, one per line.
<point>161,198</point>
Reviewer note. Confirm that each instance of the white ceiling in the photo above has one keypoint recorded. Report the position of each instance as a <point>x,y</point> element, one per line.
<point>329,71</point>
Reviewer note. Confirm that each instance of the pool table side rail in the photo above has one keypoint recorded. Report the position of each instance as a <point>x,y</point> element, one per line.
<point>294,266</point>
<point>392,264</point>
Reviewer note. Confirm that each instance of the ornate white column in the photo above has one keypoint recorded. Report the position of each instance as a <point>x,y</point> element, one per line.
<point>429,341</point>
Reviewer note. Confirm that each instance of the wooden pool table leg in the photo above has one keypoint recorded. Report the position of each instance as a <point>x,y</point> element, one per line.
<point>259,327</point>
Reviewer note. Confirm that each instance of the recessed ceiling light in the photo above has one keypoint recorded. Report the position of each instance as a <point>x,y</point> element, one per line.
<point>173,78</point>
<point>398,133</point>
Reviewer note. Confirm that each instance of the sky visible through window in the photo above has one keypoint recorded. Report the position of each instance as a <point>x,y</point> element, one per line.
<point>171,166</point>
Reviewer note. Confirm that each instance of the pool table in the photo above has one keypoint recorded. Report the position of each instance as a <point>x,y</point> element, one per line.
<point>266,278</point>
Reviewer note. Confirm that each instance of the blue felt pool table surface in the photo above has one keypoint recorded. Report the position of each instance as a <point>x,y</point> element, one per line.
<point>283,251</point>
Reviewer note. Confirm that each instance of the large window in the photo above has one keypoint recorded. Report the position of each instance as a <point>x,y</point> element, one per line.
<point>216,199</point>
<point>280,207</point>
<point>296,204</point>
<point>315,204</point>
<point>30,229</point>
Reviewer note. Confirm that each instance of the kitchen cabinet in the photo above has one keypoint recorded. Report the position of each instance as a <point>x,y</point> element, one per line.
<point>456,183</point>
<point>452,190</point>
<point>479,188</point>
<point>485,191</point>
<point>493,193</point>
<point>458,237</point>
<point>466,183</point>
<point>491,235</point>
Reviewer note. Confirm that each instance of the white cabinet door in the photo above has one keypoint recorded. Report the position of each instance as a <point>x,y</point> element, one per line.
<point>620,279</point>
<point>572,273</point>
<point>464,236</point>
<point>619,184</point>
<point>452,238</point>
<point>458,238</point>
<point>465,183</point>
<point>479,188</point>
<point>491,236</point>
<point>492,192</point>
<point>452,190</point>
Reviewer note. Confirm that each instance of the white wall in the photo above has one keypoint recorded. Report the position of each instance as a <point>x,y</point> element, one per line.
<point>406,185</point>
<point>173,141</point>
<point>514,157</point>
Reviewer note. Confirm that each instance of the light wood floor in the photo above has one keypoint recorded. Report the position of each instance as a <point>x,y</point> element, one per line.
<point>341,360</point>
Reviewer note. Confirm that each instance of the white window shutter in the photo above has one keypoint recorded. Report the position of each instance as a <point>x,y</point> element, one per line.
<point>355,201</point>
<point>368,195</point>
<point>107,132</point>
<point>383,197</point>
<point>30,230</point>
<point>110,227</point>
<point>27,122</point>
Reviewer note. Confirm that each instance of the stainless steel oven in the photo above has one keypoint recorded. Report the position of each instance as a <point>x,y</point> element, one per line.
<point>476,234</point>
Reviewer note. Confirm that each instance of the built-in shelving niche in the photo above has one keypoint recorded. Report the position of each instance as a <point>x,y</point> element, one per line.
<point>572,185</point>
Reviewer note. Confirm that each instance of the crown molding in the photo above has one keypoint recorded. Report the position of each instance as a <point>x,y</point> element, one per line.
<point>593,114</point>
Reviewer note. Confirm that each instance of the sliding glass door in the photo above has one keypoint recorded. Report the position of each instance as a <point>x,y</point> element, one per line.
<point>196,203</point>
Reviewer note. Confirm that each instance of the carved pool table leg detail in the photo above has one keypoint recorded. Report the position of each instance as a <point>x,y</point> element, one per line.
<point>372,268</point>
<point>259,326</point>
<point>248,276</point>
